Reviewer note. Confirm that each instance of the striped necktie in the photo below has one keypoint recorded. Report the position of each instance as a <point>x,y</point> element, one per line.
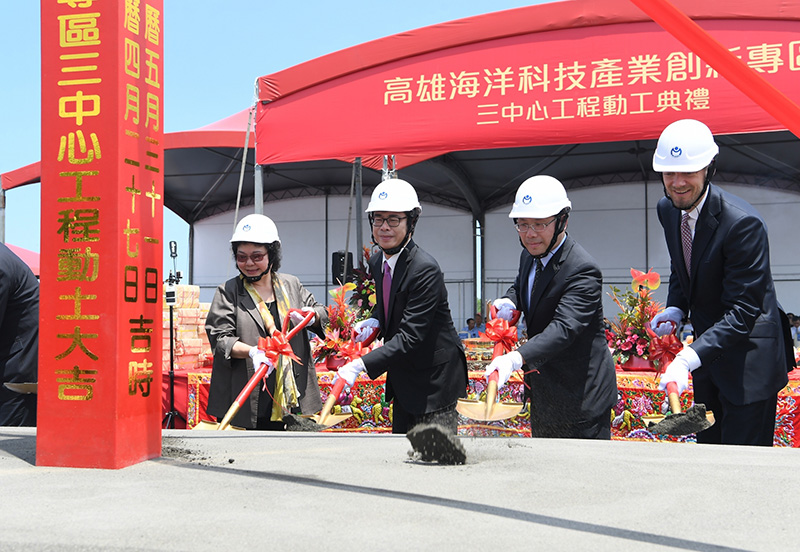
<point>686,238</point>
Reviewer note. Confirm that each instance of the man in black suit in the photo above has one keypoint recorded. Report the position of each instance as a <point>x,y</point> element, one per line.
<point>570,374</point>
<point>422,353</point>
<point>720,277</point>
<point>19,339</point>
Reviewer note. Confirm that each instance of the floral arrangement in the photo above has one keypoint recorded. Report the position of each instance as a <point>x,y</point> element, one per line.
<point>363,298</point>
<point>338,346</point>
<point>629,334</point>
<point>339,331</point>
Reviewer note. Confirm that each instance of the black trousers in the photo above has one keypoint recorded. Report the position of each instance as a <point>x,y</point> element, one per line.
<point>403,421</point>
<point>598,428</point>
<point>735,424</point>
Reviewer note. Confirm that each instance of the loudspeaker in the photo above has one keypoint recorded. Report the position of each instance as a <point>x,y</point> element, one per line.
<point>338,268</point>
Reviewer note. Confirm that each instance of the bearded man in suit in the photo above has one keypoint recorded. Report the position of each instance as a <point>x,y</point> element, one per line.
<point>721,280</point>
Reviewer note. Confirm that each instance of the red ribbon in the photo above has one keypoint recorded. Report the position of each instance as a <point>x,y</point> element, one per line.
<point>664,349</point>
<point>351,350</point>
<point>498,330</point>
<point>276,346</point>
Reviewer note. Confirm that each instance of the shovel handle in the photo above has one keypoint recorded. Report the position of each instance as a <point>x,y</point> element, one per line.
<point>491,392</point>
<point>336,390</point>
<point>674,397</point>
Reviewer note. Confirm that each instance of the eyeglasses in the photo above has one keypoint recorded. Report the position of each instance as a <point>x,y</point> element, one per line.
<point>523,227</point>
<point>394,222</point>
<point>255,257</point>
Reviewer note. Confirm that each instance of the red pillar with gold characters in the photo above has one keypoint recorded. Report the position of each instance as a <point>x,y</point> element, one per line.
<point>102,225</point>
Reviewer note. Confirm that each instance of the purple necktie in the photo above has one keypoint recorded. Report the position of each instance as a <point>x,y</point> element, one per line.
<point>686,238</point>
<point>387,288</point>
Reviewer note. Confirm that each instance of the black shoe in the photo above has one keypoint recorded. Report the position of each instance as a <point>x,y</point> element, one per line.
<point>434,444</point>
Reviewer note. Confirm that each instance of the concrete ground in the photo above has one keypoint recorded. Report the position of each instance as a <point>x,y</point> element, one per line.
<point>313,491</point>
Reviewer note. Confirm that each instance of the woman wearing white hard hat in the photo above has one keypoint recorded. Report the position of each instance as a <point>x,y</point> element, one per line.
<point>568,370</point>
<point>254,305</point>
<point>422,353</point>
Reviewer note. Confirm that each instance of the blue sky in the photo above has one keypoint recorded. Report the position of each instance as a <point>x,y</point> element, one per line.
<point>214,51</point>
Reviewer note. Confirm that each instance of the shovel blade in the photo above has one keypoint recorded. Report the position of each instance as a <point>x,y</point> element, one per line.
<point>214,426</point>
<point>693,420</point>
<point>477,410</point>
<point>330,420</point>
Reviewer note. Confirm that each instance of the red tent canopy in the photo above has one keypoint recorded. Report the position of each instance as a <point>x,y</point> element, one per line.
<point>583,71</point>
<point>30,258</point>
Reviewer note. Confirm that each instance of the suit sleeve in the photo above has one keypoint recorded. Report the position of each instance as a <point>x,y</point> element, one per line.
<point>221,322</point>
<point>746,279</point>
<point>577,308</point>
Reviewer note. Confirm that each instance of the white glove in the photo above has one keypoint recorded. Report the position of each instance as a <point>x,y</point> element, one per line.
<point>297,318</point>
<point>504,365</point>
<point>678,370</point>
<point>659,322</point>
<point>259,357</point>
<point>504,306</point>
<point>364,328</point>
<point>350,371</point>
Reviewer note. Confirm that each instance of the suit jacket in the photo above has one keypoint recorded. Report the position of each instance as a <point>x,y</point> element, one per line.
<point>233,316</point>
<point>730,296</point>
<point>574,379</point>
<point>19,338</point>
<point>422,354</point>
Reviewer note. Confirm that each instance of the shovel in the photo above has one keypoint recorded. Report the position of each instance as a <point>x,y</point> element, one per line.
<point>491,410</point>
<point>254,380</point>
<point>694,420</point>
<point>23,388</point>
<point>325,418</point>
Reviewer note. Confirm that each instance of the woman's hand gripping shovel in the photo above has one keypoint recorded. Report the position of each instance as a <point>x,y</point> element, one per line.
<point>274,346</point>
<point>504,334</point>
<point>325,418</point>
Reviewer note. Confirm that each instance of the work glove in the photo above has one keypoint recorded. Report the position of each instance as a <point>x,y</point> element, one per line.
<point>504,365</point>
<point>678,370</point>
<point>364,328</point>
<point>260,357</point>
<point>350,371</point>
<point>297,317</point>
<point>505,308</point>
<point>660,322</point>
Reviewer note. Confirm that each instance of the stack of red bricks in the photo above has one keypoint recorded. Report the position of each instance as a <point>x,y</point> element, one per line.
<point>191,347</point>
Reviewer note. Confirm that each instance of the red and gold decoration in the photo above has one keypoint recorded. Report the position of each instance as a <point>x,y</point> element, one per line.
<point>102,226</point>
<point>633,344</point>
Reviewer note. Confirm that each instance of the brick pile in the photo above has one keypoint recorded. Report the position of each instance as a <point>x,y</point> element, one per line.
<point>192,349</point>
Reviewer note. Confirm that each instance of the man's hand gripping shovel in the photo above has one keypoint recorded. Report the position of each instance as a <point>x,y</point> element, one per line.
<point>274,346</point>
<point>504,335</point>
<point>325,418</point>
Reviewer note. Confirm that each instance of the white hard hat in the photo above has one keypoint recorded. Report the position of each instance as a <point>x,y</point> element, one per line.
<point>540,196</point>
<point>393,195</point>
<point>256,229</point>
<point>684,146</point>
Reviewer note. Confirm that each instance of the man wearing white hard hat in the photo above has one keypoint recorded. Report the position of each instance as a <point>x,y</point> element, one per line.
<point>720,278</point>
<point>569,372</point>
<point>422,354</point>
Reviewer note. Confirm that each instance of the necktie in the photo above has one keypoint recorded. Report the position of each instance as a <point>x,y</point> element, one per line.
<point>539,267</point>
<point>686,238</point>
<point>387,288</point>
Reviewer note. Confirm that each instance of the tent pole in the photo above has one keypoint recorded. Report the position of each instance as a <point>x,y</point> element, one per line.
<point>191,254</point>
<point>359,210</point>
<point>258,190</point>
<point>2,216</point>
